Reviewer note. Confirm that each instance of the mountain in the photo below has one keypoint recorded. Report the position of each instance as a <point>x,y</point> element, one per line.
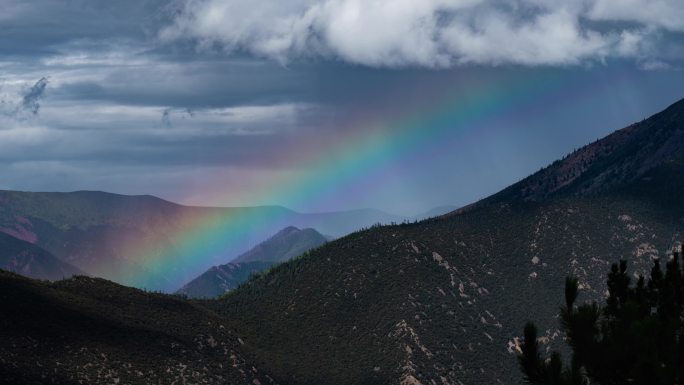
<point>645,159</point>
<point>30,260</point>
<point>88,330</point>
<point>444,301</point>
<point>220,279</point>
<point>110,235</point>
<point>286,244</point>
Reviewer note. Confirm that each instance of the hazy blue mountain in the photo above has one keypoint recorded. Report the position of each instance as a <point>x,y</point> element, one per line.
<point>27,259</point>
<point>220,279</point>
<point>288,243</point>
<point>94,230</point>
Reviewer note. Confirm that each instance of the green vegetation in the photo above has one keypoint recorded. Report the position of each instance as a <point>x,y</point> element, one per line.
<point>637,337</point>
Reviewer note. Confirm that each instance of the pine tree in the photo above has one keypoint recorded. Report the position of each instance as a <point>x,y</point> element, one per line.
<point>637,337</point>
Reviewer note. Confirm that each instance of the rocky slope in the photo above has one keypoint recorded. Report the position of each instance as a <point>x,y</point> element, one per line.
<point>441,301</point>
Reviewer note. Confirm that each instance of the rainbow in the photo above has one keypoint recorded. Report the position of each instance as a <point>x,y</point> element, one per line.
<point>360,159</point>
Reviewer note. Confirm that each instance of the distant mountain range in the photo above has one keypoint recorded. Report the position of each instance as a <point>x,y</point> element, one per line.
<point>286,244</point>
<point>443,301</point>
<point>30,260</point>
<point>90,230</point>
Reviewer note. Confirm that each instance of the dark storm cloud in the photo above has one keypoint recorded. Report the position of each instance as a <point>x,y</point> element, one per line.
<point>109,51</point>
<point>192,85</point>
<point>36,27</point>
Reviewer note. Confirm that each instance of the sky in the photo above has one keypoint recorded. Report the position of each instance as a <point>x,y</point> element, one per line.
<point>321,105</point>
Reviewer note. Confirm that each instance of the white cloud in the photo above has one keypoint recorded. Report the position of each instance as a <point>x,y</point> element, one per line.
<point>431,33</point>
<point>667,14</point>
<point>548,38</point>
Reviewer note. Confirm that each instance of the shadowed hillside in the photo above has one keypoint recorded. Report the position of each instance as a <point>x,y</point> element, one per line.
<point>85,330</point>
<point>445,298</point>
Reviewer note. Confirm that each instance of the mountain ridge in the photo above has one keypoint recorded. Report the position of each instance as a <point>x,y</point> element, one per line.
<point>88,229</point>
<point>287,243</point>
<point>22,257</point>
<point>618,161</point>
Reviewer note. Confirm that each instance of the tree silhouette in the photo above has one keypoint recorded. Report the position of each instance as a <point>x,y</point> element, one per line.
<point>637,337</point>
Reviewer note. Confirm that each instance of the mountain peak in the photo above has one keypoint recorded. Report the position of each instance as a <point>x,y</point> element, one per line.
<point>287,230</point>
<point>287,243</point>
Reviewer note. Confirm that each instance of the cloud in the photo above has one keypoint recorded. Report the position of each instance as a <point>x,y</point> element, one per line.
<point>25,101</point>
<point>666,14</point>
<point>429,33</point>
<point>29,101</point>
<point>179,113</point>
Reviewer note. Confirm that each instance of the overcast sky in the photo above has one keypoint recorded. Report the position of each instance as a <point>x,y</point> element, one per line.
<point>214,101</point>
